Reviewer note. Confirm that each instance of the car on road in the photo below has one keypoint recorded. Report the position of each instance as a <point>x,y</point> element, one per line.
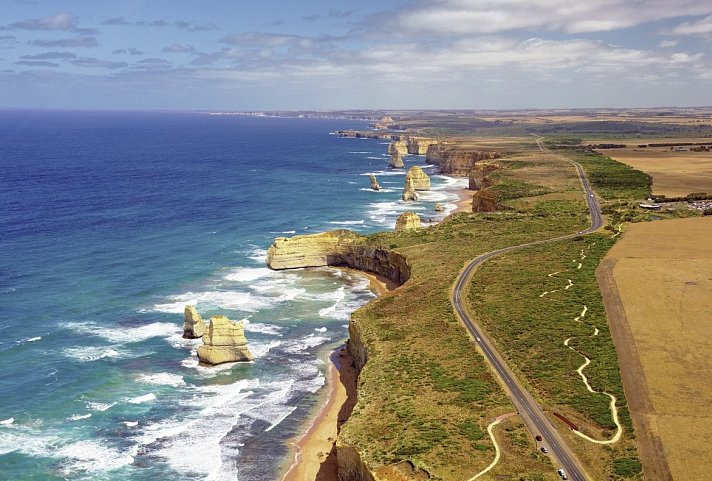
<point>538,437</point>
<point>544,450</point>
<point>562,473</point>
<point>478,339</point>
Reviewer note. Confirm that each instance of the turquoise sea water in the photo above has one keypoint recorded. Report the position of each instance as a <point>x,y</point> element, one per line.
<point>109,224</point>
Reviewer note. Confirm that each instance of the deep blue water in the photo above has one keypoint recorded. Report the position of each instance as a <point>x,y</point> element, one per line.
<point>109,224</point>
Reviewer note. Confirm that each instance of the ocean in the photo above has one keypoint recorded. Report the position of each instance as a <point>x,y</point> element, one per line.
<point>110,223</point>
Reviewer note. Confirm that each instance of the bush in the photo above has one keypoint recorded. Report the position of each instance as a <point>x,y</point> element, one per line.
<point>627,467</point>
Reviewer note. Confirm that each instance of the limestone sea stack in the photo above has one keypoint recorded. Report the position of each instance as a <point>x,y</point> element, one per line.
<point>421,181</point>
<point>397,146</point>
<point>224,341</point>
<point>409,192</point>
<point>407,221</point>
<point>396,161</point>
<point>439,208</point>
<point>374,182</point>
<point>193,325</point>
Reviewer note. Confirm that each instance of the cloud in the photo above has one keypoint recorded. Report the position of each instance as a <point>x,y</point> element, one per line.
<point>36,63</point>
<point>179,48</point>
<point>471,17</point>
<point>50,56</point>
<point>86,42</point>
<point>97,63</point>
<point>668,43</point>
<point>154,64</point>
<point>63,21</point>
<point>128,51</point>
<point>311,18</point>
<point>7,39</point>
<point>700,27</point>
<point>116,21</point>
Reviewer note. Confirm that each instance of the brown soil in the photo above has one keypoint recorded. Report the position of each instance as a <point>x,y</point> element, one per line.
<point>656,283</point>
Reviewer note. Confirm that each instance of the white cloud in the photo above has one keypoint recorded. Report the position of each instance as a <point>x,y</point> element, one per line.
<point>61,21</point>
<point>700,27</point>
<point>572,16</point>
<point>668,43</point>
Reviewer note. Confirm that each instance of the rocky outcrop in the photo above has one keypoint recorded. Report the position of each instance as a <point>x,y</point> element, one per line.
<point>397,146</point>
<point>193,325</point>
<point>407,221</point>
<point>374,182</point>
<point>419,145</point>
<point>358,134</point>
<point>456,160</point>
<point>350,465</point>
<point>337,248</point>
<point>479,175</point>
<point>439,207</point>
<point>396,161</point>
<point>409,193</point>
<point>224,341</point>
<point>420,179</point>
<point>484,201</point>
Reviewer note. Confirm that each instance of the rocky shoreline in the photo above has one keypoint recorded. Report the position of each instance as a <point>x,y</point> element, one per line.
<point>321,454</point>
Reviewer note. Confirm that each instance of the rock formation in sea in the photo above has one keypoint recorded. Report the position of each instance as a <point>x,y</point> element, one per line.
<point>224,341</point>
<point>420,179</point>
<point>193,325</point>
<point>479,175</point>
<point>397,146</point>
<point>374,182</point>
<point>457,160</point>
<point>396,161</point>
<point>358,134</point>
<point>409,192</point>
<point>439,207</point>
<point>484,201</point>
<point>337,248</point>
<point>419,145</point>
<point>407,221</point>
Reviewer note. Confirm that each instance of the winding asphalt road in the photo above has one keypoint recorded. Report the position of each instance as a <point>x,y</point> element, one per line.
<point>528,408</point>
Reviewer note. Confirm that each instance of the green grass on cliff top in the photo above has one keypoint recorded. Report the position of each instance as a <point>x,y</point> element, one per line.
<point>425,394</point>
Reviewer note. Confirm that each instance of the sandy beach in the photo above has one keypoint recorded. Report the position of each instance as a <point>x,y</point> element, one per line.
<point>315,457</point>
<point>464,204</point>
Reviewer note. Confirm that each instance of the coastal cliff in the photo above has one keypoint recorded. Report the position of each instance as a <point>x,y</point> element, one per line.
<point>458,161</point>
<point>479,175</point>
<point>484,201</point>
<point>337,248</point>
<point>419,145</point>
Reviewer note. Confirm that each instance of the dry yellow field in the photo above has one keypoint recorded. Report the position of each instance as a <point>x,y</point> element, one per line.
<point>663,274</point>
<point>674,173</point>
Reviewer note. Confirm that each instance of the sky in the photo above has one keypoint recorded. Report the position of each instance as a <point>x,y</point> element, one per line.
<point>366,54</point>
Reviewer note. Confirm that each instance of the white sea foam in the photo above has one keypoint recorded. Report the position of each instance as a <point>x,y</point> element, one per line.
<point>94,353</point>
<point>29,339</point>
<point>248,274</point>
<point>7,422</point>
<point>367,189</point>
<point>91,457</point>
<point>142,399</point>
<point>320,329</point>
<point>124,334</point>
<point>97,406</point>
<point>130,424</point>
<point>162,379</point>
<point>262,328</point>
<point>77,417</point>
<point>258,254</point>
<point>237,300</point>
<point>359,152</point>
<point>347,222</point>
<point>259,350</point>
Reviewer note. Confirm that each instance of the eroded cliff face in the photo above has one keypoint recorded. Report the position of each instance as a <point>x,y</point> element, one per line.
<point>342,248</point>
<point>408,221</point>
<point>458,161</point>
<point>420,179</point>
<point>397,146</point>
<point>419,145</point>
<point>337,248</point>
<point>479,175</point>
<point>484,201</point>
<point>396,161</point>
